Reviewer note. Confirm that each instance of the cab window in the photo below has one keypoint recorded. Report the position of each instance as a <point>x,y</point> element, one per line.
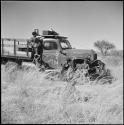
<point>50,45</point>
<point>65,44</point>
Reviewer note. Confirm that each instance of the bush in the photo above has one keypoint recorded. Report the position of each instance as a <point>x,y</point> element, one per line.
<point>104,46</point>
<point>116,53</point>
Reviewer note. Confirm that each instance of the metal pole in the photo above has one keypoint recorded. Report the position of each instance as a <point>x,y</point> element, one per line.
<point>14,46</point>
<point>27,49</point>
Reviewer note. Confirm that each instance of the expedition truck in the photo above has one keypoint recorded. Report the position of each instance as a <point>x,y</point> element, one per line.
<point>57,49</point>
<point>56,54</point>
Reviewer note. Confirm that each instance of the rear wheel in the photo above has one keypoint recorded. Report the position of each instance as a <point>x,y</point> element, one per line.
<point>19,62</point>
<point>4,61</point>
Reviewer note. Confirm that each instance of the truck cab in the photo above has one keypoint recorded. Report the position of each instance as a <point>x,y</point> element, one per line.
<point>53,53</point>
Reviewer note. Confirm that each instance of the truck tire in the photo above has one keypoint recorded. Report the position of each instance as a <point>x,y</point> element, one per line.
<point>4,61</point>
<point>19,62</point>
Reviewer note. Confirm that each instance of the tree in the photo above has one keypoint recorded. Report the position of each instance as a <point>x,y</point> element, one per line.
<point>104,46</point>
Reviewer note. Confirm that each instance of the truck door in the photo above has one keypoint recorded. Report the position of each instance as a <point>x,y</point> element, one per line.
<point>51,52</point>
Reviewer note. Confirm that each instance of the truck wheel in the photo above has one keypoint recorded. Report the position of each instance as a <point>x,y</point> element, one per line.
<point>4,61</point>
<point>19,62</point>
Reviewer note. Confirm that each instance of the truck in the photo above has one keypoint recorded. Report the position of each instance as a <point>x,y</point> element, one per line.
<point>57,51</point>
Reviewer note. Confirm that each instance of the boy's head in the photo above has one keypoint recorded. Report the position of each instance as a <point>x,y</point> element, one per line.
<point>34,34</point>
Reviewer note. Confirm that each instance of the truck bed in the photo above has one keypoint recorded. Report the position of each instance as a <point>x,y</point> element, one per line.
<point>13,49</point>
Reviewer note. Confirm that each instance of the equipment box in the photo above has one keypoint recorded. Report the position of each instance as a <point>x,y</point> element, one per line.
<point>46,32</point>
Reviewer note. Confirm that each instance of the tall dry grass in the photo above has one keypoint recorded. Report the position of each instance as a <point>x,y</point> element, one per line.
<point>27,97</point>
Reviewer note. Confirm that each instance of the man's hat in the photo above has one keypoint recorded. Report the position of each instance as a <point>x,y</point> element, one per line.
<point>34,33</point>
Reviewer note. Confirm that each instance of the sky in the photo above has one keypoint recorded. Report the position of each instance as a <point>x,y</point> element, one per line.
<point>83,22</point>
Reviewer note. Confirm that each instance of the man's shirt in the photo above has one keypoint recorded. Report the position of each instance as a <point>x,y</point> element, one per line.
<point>36,40</point>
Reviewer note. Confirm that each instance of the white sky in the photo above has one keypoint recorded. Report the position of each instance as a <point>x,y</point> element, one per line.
<point>83,22</point>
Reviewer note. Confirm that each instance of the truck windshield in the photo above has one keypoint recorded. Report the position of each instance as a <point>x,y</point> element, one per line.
<point>65,44</point>
<point>50,44</point>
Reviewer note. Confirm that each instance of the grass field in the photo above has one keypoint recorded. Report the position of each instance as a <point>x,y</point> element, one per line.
<point>27,97</point>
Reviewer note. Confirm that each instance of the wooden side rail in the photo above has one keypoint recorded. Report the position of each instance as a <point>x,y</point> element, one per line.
<point>15,47</point>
